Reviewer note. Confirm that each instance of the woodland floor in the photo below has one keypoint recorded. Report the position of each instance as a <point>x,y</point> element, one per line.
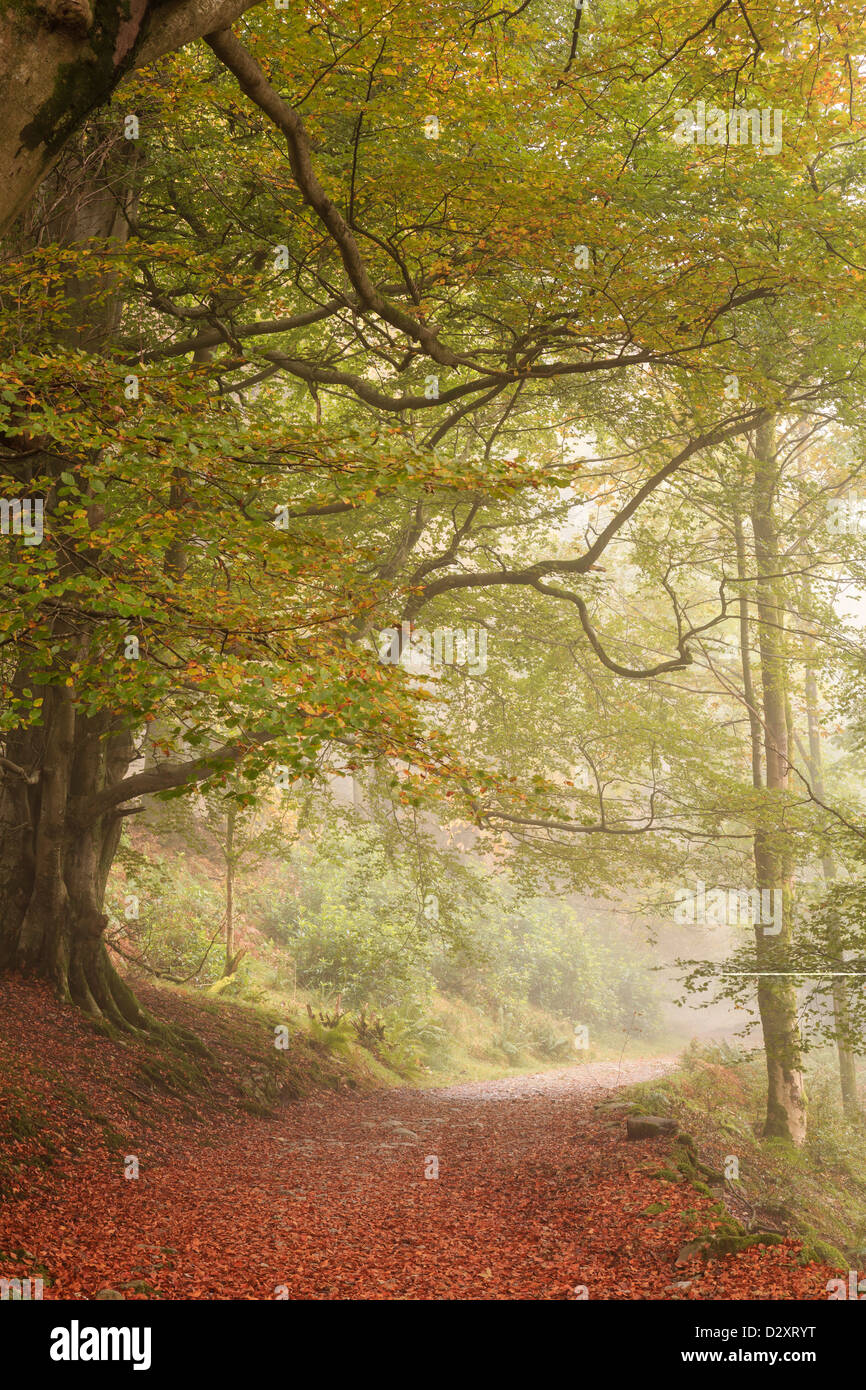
<point>538,1192</point>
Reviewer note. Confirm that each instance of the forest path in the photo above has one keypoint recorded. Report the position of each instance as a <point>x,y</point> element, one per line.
<point>587,1079</point>
<point>539,1195</point>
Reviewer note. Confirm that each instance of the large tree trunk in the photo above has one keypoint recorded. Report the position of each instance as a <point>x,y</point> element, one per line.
<point>60,61</point>
<point>55,854</point>
<point>777,994</point>
<point>54,867</point>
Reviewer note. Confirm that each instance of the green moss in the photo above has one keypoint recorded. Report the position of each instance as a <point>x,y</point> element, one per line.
<point>114,1140</point>
<point>669,1175</point>
<point>726,1236</point>
<point>692,1168</point>
<point>817,1250</point>
<point>23,1124</point>
<point>174,1074</point>
<point>787,1153</point>
<point>83,85</point>
<point>18,1255</point>
<point>143,1287</point>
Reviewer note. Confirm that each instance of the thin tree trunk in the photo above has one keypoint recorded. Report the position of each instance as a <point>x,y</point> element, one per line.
<point>777,994</point>
<point>230,883</point>
<point>746,657</point>
<point>841,1014</point>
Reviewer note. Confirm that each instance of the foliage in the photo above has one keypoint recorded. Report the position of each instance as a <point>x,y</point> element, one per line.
<point>178,922</point>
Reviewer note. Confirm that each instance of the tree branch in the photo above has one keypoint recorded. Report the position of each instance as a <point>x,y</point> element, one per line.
<point>170,775</point>
<point>583,563</point>
<point>253,82</point>
<point>31,778</point>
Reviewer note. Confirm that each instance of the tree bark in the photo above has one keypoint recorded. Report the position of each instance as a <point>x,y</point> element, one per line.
<point>57,842</point>
<point>61,60</point>
<point>841,1016</point>
<point>53,869</point>
<point>746,657</point>
<point>777,995</point>
<point>230,887</point>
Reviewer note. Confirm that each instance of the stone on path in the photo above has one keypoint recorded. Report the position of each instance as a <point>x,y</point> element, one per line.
<point>649,1126</point>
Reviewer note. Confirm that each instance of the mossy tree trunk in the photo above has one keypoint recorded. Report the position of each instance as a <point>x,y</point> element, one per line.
<point>230,890</point>
<point>61,60</point>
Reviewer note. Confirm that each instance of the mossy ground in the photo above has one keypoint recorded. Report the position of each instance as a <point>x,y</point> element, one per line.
<point>767,1188</point>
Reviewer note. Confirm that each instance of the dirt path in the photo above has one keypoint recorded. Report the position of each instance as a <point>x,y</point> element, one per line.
<point>594,1078</point>
<point>538,1195</point>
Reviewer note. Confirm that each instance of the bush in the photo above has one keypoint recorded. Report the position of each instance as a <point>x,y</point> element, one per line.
<point>179,928</point>
<point>346,951</point>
